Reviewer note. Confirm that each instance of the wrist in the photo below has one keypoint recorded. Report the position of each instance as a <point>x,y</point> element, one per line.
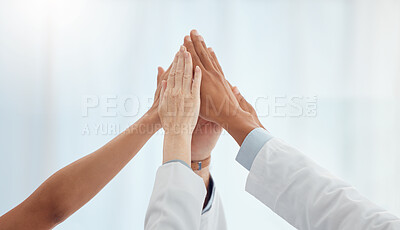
<point>197,156</point>
<point>146,125</point>
<point>239,125</point>
<point>152,117</point>
<point>177,147</point>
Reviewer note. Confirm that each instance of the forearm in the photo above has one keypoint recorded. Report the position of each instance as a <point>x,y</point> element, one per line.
<point>73,186</point>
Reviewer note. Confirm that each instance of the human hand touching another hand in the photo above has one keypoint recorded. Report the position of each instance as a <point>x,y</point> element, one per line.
<point>152,113</point>
<point>244,105</point>
<point>218,102</point>
<point>179,107</point>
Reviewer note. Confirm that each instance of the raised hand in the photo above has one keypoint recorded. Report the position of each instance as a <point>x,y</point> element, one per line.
<point>218,102</point>
<point>244,105</point>
<point>152,113</point>
<point>179,107</point>
<point>217,98</point>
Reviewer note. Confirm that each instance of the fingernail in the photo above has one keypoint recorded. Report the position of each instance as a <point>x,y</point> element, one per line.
<point>182,49</point>
<point>197,69</point>
<point>186,54</point>
<point>211,50</point>
<point>187,37</point>
<point>235,90</point>
<point>195,32</point>
<point>201,38</point>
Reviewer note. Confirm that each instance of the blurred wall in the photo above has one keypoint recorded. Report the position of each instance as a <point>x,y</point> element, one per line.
<point>323,75</point>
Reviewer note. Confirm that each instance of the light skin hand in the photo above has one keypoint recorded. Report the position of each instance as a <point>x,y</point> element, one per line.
<point>218,102</point>
<point>179,107</point>
<point>152,113</point>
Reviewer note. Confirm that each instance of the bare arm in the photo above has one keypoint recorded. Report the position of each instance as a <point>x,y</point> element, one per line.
<point>74,185</point>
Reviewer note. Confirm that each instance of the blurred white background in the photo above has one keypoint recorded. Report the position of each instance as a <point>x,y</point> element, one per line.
<point>53,54</point>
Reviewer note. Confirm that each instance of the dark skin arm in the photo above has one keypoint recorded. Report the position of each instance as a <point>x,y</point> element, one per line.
<point>73,186</point>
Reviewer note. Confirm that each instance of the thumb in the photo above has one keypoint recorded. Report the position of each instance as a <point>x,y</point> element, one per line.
<point>163,87</point>
<point>196,82</point>
<point>239,97</point>
<point>159,74</point>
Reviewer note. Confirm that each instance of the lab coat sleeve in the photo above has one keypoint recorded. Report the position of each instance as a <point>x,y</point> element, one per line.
<point>177,199</point>
<point>303,193</point>
<point>213,216</point>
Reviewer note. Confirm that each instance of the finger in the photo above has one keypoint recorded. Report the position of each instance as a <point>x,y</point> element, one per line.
<point>236,91</point>
<point>159,74</point>
<point>188,75</point>
<point>246,106</point>
<point>196,82</point>
<point>208,52</point>
<point>212,59</point>
<point>179,69</point>
<point>171,75</point>
<point>229,84</point>
<point>242,102</point>
<point>163,86</point>
<point>215,59</point>
<point>187,42</point>
<point>200,50</point>
<point>166,73</point>
<point>237,94</point>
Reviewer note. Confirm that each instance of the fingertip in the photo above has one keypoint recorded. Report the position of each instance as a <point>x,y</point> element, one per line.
<point>187,38</point>
<point>210,49</point>
<point>235,90</point>
<point>187,54</point>
<point>194,32</point>
<point>197,69</point>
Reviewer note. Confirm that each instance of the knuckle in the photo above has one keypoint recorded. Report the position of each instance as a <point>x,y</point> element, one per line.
<point>179,71</point>
<point>176,93</point>
<point>203,53</point>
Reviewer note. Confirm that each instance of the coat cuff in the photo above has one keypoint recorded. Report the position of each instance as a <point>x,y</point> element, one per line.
<point>180,161</point>
<point>251,145</point>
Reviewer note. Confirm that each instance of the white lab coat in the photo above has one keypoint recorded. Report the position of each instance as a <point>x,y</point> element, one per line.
<point>177,202</point>
<point>282,178</point>
<point>302,192</point>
